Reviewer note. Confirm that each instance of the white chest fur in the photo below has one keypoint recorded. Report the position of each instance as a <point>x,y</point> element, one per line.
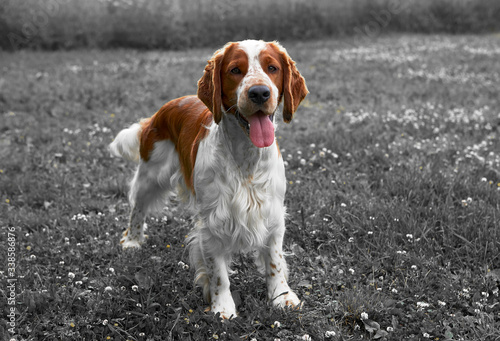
<point>239,188</point>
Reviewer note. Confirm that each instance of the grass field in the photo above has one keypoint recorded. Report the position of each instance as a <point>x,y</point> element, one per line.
<point>393,164</point>
<point>181,24</point>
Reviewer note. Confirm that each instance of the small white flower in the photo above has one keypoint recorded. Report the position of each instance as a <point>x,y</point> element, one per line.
<point>364,316</point>
<point>426,335</point>
<point>484,179</point>
<point>183,265</point>
<point>351,270</point>
<point>111,270</point>
<point>351,240</point>
<point>108,289</point>
<point>105,322</point>
<point>409,236</point>
<point>343,205</point>
<point>370,233</point>
<point>441,303</point>
<point>306,337</point>
<point>312,145</point>
<point>321,154</point>
<point>330,333</point>
<point>303,162</point>
<point>33,257</point>
<point>341,271</point>
<point>394,290</point>
<point>390,329</point>
<point>71,275</point>
<point>135,287</point>
<point>277,324</point>
<point>422,305</point>
<point>414,267</point>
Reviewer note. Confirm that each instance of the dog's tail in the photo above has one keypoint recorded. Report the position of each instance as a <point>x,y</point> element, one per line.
<point>126,144</point>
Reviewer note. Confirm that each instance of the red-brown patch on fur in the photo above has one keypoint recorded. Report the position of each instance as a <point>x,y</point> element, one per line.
<point>182,121</point>
<point>233,58</point>
<point>294,85</point>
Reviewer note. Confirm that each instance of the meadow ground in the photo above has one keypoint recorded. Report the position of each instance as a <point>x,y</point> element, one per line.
<point>393,170</point>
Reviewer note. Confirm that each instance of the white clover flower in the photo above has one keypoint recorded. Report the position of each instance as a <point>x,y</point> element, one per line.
<point>351,240</point>
<point>303,162</point>
<point>71,275</point>
<point>414,267</point>
<point>135,287</point>
<point>312,145</point>
<point>390,329</point>
<point>322,154</point>
<point>343,205</point>
<point>108,289</point>
<point>183,265</point>
<point>277,324</point>
<point>409,236</point>
<point>111,270</point>
<point>364,316</point>
<point>426,335</point>
<point>422,305</point>
<point>306,337</point>
<point>394,290</point>
<point>441,303</point>
<point>351,270</point>
<point>104,322</point>
<point>330,333</point>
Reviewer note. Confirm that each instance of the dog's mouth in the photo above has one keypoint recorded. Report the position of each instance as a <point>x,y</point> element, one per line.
<point>259,128</point>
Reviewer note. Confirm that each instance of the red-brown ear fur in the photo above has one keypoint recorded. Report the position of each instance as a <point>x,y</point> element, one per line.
<point>209,85</point>
<point>294,86</point>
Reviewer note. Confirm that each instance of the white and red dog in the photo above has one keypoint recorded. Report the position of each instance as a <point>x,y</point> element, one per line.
<point>217,151</point>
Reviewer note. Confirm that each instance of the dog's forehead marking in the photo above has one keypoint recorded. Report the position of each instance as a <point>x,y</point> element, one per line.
<point>253,48</point>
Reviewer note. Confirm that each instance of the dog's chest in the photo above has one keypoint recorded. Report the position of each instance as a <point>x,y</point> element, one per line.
<point>237,203</point>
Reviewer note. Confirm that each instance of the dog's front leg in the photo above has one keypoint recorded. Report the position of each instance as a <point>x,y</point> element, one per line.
<point>278,291</point>
<point>221,300</point>
<point>212,272</point>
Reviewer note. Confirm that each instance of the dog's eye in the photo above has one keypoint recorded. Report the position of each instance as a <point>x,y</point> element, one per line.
<point>272,69</point>
<point>236,71</point>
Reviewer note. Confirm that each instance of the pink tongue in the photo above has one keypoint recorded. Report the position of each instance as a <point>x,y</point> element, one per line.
<point>261,130</point>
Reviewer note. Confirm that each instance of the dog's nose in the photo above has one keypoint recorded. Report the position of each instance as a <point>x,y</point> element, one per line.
<point>259,94</point>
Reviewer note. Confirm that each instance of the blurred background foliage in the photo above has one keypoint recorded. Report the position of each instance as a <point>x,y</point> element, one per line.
<point>180,24</point>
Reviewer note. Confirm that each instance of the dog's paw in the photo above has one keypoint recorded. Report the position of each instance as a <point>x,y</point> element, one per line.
<point>287,299</point>
<point>128,242</point>
<point>226,308</point>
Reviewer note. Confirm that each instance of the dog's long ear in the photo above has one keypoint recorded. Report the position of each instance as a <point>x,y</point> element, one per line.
<point>294,85</point>
<point>209,85</point>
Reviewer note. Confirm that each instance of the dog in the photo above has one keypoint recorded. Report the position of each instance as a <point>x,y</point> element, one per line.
<point>217,152</point>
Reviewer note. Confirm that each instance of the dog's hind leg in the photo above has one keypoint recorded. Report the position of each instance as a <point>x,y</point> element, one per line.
<point>149,189</point>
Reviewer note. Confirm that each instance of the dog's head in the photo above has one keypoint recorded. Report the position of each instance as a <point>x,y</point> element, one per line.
<point>249,79</point>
